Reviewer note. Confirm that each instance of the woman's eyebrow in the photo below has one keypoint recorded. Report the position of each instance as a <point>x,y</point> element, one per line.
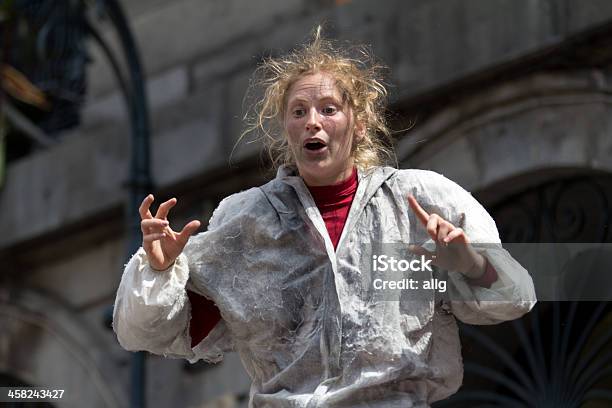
<point>296,101</point>
<point>324,98</point>
<point>330,97</point>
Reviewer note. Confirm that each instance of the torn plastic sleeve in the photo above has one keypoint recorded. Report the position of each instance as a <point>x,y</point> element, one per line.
<point>152,313</point>
<point>509,297</point>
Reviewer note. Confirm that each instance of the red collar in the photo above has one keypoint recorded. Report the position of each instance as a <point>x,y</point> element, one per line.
<point>335,193</point>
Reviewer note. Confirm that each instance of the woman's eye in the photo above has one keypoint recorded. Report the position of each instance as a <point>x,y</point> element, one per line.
<point>298,112</point>
<point>329,110</point>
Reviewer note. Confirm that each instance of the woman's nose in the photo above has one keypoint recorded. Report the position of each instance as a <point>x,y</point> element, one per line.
<point>312,121</point>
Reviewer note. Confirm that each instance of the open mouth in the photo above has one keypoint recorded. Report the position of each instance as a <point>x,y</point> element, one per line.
<point>314,145</point>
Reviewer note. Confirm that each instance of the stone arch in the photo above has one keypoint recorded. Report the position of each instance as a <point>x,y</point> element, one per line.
<point>42,343</point>
<point>544,125</point>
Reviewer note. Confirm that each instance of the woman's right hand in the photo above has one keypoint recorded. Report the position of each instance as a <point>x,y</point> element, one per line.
<point>160,242</point>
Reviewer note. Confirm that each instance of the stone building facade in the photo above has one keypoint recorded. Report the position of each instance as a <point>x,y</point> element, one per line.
<point>501,96</point>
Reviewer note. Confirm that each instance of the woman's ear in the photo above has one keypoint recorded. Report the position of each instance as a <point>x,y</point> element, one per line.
<point>359,131</point>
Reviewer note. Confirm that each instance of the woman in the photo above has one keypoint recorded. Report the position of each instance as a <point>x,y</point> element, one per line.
<point>288,264</point>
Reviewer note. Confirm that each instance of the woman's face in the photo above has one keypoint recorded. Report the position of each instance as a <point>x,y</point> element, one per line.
<point>320,130</point>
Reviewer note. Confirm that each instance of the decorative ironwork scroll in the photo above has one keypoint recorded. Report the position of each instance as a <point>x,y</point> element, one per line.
<point>569,210</point>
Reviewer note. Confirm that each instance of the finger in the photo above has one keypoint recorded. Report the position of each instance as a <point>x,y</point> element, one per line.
<point>443,230</point>
<point>144,207</point>
<point>419,250</point>
<point>153,224</point>
<point>432,226</point>
<point>457,234</point>
<point>164,208</point>
<point>188,230</point>
<point>153,237</point>
<point>418,210</point>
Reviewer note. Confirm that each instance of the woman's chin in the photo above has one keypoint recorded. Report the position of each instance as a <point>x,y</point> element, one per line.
<point>314,167</point>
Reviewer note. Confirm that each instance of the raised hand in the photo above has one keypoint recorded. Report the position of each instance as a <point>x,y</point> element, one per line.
<point>160,242</point>
<point>460,256</point>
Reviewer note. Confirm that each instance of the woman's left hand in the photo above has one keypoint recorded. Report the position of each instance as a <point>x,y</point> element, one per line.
<point>453,249</point>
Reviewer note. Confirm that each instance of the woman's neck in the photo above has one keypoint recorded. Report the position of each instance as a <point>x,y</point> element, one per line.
<point>331,181</point>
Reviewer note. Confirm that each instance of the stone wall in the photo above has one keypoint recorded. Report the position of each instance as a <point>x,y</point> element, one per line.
<point>61,209</point>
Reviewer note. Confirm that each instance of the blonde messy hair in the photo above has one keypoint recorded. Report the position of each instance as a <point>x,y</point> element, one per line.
<point>359,79</point>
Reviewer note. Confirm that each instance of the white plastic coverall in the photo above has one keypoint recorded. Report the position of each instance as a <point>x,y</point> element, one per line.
<point>295,309</point>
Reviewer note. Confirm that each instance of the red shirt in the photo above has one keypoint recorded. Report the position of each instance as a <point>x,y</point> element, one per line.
<point>204,317</point>
<point>334,203</point>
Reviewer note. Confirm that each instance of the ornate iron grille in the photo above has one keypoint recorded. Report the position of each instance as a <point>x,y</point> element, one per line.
<point>560,354</point>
